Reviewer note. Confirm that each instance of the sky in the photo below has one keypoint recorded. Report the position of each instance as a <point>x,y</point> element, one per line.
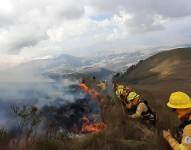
<point>38,29</point>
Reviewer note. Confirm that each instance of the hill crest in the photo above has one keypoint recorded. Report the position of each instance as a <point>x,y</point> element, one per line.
<point>171,66</point>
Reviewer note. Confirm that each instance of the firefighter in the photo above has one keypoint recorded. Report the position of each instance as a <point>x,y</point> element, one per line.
<point>180,102</point>
<point>122,91</point>
<point>140,108</point>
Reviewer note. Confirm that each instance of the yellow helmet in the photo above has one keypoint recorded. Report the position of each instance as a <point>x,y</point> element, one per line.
<point>179,100</point>
<point>119,90</point>
<point>132,96</point>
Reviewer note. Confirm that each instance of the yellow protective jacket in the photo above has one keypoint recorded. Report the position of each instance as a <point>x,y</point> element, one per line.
<point>186,139</point>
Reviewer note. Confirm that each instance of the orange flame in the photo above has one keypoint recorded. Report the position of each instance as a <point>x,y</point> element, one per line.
<point>88,90</point>
<point>88,127</point>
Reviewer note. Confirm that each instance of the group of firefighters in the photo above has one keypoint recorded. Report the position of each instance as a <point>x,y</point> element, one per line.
<point>134,104</point>
<point>138,108</point>
<point>179,102</point>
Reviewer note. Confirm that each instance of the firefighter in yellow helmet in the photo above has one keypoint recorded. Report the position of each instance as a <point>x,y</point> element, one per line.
<point>140,108</point>
<point>122,92</point>
<point>181,103</point>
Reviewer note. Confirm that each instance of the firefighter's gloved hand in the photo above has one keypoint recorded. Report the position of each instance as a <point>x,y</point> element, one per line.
<point>167,134</point>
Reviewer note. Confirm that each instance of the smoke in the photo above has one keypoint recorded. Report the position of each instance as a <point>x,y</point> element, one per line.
<point>23,85</point>
<point>27,96</point>
<point>29,87</point>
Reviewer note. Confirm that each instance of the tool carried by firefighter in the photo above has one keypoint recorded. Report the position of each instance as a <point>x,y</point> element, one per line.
<point>140,108</point>
<point>181,103</point>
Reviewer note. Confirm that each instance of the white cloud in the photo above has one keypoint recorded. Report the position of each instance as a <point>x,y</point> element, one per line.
<point>6,7</point>
<point>37,28</point>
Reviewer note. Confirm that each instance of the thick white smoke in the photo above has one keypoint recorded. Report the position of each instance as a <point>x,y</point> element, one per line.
<point>29,87</point>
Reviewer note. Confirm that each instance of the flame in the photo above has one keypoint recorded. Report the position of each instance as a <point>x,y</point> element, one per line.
<point>89,127</point>
<point>88,90</point>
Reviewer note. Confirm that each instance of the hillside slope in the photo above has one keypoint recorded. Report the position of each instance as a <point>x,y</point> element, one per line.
<point>156,78</point>
<point>172,68</point>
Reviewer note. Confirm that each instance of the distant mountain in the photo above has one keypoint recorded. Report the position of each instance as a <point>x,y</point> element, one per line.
<point>67,65</point>
<point>100,66</point>
<point>63,62</point>
<point>119,61</point>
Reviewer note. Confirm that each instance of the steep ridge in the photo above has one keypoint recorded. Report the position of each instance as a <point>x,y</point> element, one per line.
<point>170,68</point>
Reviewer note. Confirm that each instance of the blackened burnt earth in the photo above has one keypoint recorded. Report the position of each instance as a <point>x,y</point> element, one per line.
<point>69,116</point>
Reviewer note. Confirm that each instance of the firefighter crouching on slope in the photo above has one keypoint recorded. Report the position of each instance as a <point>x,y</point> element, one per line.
<point>122,92</point>
<point>181,103</point>
<point>140,108</point>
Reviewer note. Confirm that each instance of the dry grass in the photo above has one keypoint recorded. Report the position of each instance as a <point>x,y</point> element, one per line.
<point>122,134</point>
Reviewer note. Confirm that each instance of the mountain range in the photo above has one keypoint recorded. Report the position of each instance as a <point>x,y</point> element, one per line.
<point>99,65</point>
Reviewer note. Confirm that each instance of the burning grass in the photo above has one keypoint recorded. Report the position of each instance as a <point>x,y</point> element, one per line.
<point>88,132</point>
<point>91,127</point>
<point>52,125</point>
<point>121,133</point>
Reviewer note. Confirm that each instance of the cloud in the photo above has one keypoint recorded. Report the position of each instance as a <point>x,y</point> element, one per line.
<point>145,7</point>
<point>66,9</point>
<point>5,20</point>
<point>144,13</point>
<point>35,28</point>
<point>20,36</point>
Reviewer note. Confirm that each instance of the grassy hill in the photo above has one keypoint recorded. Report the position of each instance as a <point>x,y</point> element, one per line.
<point>170,68</point>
